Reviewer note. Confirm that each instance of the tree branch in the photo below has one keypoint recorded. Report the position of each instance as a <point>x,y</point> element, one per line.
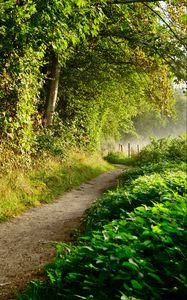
<point>164,21</point>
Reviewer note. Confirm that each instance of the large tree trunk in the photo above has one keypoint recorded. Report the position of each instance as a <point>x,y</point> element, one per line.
<point>53,90</point>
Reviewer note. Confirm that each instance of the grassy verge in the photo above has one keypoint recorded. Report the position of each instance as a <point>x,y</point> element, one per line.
<point>120,158</point>
<point>49,177</point>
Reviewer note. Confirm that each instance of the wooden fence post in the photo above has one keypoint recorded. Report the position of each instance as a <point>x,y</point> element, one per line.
<point>129,149</point>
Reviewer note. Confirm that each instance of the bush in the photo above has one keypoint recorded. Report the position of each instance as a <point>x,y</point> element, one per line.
<point>149,168</point>
<point>164,149</point>
<point>56,140</point>
<point>144,190</point>
<point>140,256</point>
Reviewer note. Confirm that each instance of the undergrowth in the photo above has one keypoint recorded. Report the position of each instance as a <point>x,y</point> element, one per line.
<point>49,176</point>
<point>165,149</point>
<point>133,246</point>
<point>120,158</point>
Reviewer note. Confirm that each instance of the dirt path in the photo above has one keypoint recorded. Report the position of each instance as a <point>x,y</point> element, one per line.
<point>26,242</point>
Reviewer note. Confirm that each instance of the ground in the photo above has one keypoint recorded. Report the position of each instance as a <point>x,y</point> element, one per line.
<point>27,242</point>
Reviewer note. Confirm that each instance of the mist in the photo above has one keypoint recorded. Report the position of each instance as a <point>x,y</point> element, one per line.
<point>154,125</point>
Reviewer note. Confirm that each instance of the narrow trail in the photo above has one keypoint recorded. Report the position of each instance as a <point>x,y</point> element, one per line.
<point>27,242</point>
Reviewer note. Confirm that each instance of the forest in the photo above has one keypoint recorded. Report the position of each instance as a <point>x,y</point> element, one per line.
<point>78,78</point>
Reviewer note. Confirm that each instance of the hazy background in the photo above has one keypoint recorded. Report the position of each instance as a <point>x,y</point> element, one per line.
<point>154,125</point>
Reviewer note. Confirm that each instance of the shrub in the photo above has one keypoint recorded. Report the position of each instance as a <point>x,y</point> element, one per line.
<point>140,256</point>
<point>143,190</point>
<point>164,149</point>
<point>160,167</point>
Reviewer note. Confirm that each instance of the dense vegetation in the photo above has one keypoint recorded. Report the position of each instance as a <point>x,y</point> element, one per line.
<point>165,149</point>
<point>85,69</point>
<point>21,188</point>
<point>118,158</point>
<point>75,74</point>
<point>134,243</point>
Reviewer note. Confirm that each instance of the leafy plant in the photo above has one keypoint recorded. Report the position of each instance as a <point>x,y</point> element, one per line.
<point>148,168</point>
<point>133,247</point>
<point>140,256</point>
<point>165,149</point>
<point>145,190</point>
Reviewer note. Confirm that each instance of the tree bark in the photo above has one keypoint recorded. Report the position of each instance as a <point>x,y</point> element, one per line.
<point>53,90</point>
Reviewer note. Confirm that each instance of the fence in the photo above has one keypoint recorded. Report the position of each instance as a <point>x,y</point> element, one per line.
<point>131,150</point>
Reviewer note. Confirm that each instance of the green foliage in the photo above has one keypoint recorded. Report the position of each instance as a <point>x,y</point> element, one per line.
<point>119,158</point>
<point>100,103</point>
<point>156,124</point>
<point>42,180</point>
<point>112,69</point>
<point>134,242</point>
<point>171,149</point>
<point>57,140</point>
<point>27,85</point>
<point>36,29</point>
<point>146,190</point>
<point>149,168</point>
<point>138,255</point>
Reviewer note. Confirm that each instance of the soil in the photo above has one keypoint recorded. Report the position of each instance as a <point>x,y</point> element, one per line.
<point>27,242</point>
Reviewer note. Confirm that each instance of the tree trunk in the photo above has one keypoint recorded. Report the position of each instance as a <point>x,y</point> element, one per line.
<point>53,90</point>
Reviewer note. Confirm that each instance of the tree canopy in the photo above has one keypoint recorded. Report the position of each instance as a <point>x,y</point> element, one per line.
<point>89,66</point>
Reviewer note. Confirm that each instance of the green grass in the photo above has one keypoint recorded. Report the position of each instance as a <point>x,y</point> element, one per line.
<point>21,188</point>
<point>120,158</point>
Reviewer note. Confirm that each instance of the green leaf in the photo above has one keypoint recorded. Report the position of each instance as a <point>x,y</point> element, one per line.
<point>124,297</point>
<point>129,265</point>
<point>136,284</point>
<point>184,17</point>
<point>155,277</point>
